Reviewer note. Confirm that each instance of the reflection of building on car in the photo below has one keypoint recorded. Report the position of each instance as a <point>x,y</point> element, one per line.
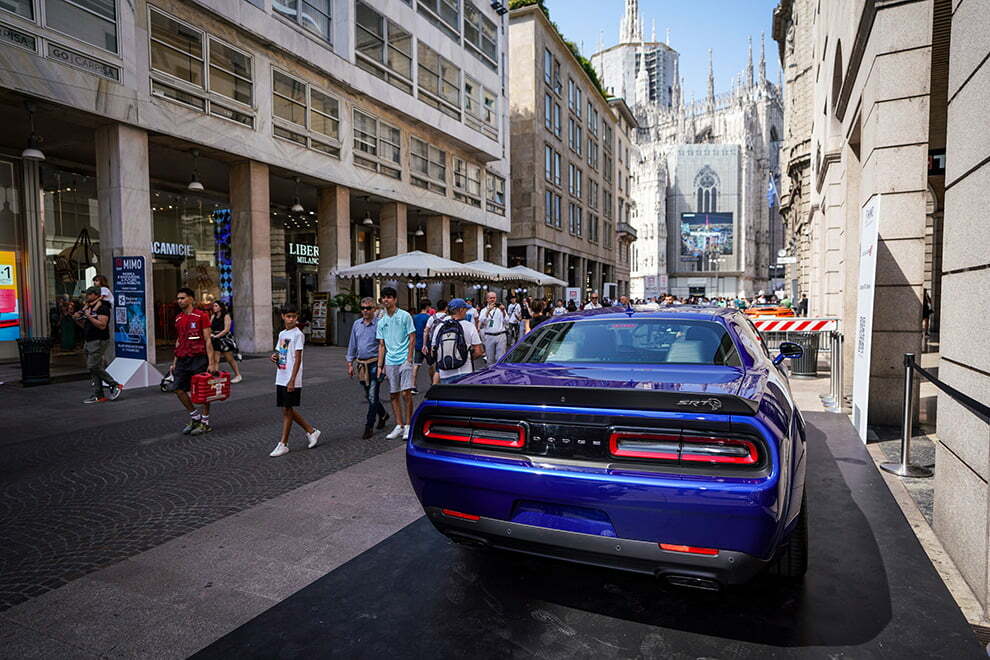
<point>664,442</point>
<point>769,310</point>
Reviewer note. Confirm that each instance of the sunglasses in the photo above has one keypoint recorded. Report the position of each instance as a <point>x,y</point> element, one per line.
<point>365,309</point>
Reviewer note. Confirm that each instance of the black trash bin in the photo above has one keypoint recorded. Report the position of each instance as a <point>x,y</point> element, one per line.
<point>805,366</point>
<point>35,360</point>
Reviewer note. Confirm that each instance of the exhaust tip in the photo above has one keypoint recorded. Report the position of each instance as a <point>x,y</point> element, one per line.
<point>693,582</point>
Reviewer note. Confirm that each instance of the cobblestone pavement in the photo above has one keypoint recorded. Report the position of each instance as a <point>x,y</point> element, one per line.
<point>84,486</point>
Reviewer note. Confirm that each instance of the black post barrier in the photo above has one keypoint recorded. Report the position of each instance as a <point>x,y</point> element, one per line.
<point>904,468</point>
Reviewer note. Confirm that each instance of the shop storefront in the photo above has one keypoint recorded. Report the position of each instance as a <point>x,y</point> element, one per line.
<point>191,248</point>
<point>11,259</point>
<point>295,262</point>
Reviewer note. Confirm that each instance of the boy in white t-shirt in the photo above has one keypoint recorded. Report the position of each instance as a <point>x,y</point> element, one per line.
<point>288,357</point>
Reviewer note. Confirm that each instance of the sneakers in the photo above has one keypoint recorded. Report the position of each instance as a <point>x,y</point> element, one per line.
<point>280,450</point>
<point>396,432</point>
<point>381,422</point>
<point>414,391</point>
<point>200,428</point>
<point>95,399</point>
<point>405,431</point>
<point>115,391</point>
<point>313,438</point>
<point>368,433</point>
<point>236,379</point>
<point>190,426</point>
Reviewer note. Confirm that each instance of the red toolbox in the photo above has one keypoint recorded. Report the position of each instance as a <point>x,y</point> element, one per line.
<point>207,388</point>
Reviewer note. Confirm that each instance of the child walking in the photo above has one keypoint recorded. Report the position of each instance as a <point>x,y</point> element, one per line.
<point>288,359</point>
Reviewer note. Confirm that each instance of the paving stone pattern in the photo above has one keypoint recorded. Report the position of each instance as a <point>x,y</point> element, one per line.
<point>82,487</point>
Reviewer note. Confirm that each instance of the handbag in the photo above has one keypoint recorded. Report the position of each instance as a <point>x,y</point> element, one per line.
<point>168,382</point>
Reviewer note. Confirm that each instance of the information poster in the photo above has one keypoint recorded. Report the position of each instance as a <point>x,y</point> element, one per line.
<point>10,317</point>
<point>573,293</point>
<point>318,327</point>
<point>130,322</point>
<point>869,239</point>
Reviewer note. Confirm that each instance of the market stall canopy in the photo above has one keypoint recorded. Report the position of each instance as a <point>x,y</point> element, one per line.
<point>416,264</point>
<point>538,277</point>
<point>500,273</point>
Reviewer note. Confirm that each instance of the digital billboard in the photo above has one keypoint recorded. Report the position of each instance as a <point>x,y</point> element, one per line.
<point>705,237</point>
<point>10,317</point>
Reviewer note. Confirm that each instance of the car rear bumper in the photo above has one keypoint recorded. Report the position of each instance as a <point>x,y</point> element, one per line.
<point>703,571</point>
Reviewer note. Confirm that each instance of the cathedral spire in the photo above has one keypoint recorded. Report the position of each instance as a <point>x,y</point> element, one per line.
<point>631,27</point>
<point>653,39</point>
<point>675,93</point>
<point>711,78</point>
<point>748,80</point>
<point>763,59</point>
<point>642,79</point>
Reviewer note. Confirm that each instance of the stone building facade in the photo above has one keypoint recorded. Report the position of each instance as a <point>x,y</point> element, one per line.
<point>569,188</point>
<point>318,135</point>
<point>891,114</point>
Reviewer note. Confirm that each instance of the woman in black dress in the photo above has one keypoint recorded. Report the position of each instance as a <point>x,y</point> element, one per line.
<point>223,340</point>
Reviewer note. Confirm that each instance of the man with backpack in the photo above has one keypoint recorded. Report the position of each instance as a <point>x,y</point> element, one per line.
<point>455,341</point>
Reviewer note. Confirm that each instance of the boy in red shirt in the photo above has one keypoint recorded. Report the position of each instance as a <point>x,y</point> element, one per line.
<point>193,355</point>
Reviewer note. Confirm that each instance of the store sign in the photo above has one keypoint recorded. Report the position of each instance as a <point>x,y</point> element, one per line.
<point>162,249</point>
<point>869,243</point>
<point>130,333</point>
<point>11,36</point>
<point>10,318</point>
<point>305,254</point>
<point>84,62</point>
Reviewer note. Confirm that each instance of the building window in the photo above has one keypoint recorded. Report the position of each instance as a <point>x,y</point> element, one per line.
<point>439,82</point>
<point>593,194</point>
<point>574,97</point>
<point>607,203</point>
<point>313,15</point>
<point>429,166</point>
<point>467,182</point>
<point>496,194</point>
<point>574,135</point>
<point>480,106</point>
<point>548,162</point>
<point>179,58</point>
<point>548,111</point>
<point>383,48</point>
<point>24,8</point>
<point>305,115</point>
<point>593,228</point>
<point>609,232</point>
<point>548,67</point>
<point>592,120</point>
<point>557,128</point>
<point>552,163</point>
<point>548,207</point>
<point>706,184</point>
<point>91,21</point>
<point>593,154</point>
<point>377,145</point>
<point>481,34</point>
<point>574,219</point>
<point>445,14</point>
<point>574,180</point>
<point>607,169</point>
<point>607,136</point>
<point>557,211</point>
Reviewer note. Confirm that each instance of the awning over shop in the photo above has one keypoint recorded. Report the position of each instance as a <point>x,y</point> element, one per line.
<point>538,277</point>
<point>500,273</point>
<point>416,264</point>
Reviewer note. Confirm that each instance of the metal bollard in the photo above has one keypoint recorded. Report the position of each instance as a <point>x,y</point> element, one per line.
<point>904,468</point>
<point>831,401</point>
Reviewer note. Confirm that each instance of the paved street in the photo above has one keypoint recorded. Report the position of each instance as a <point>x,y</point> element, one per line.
<point>82,487</point>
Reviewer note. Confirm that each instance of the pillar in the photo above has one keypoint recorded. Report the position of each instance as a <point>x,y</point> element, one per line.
<point>251,255</point>
<point>438,235</point>
<point>596,278</point>
<point>333,235</point>
<point>532,257</point>
<point>394,240</point>
<point>500,243</point>
<point>474,242</point>
<point>36,304</point>
<point>124,199</point>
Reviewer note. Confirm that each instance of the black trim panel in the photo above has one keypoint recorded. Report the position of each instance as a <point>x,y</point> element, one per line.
<point>595,397</point>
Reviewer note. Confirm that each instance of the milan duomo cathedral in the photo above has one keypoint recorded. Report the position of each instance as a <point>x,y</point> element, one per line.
<point>702,188</point>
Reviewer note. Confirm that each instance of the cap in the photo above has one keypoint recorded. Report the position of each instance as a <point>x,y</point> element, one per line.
<point>456,303</point>
<point>94,290</point>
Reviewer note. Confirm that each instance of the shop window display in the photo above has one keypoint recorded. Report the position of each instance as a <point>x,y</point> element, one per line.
<point>295,262</point>
<point>11,260</point>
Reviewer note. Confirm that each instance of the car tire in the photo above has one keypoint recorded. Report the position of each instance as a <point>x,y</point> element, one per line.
<point>791,560</point>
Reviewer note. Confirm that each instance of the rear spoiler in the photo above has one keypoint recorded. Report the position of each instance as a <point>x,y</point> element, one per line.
<point>595,397</point>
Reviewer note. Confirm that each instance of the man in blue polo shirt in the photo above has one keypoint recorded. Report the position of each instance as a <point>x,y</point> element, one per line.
<point>396,336</point>
<point>362,358</point>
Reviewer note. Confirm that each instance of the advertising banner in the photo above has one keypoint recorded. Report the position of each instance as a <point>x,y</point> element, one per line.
<point>869,239</point>
<point>10,317</point>
<point>705,237</point>
<point>130,322</point>
<point>573,293</point>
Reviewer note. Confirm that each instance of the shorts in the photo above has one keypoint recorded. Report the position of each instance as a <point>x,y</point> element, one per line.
<point>286,399</point>
<point>418,357</point>
<point>399,377</point>
<point>186,367</point>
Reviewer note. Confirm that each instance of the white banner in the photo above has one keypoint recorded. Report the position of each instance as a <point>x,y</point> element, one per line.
<point>869,240</point>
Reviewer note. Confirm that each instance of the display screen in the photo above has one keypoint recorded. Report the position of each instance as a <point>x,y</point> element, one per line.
<point>9,312</point>
<point>706,234</point>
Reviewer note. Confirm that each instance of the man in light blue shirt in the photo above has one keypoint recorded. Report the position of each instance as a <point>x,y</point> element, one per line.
<point>396,336</point>
<point>362,356</point>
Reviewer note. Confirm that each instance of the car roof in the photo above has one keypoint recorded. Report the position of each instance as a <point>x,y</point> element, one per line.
<point>683,312</point>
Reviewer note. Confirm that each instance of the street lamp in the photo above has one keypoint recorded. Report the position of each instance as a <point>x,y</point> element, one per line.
<point>33,150</point>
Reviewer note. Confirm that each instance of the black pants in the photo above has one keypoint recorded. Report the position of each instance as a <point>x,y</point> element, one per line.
<point>375,407</point>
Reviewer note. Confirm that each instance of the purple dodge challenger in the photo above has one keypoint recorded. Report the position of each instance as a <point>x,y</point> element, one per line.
<point>664,442</point>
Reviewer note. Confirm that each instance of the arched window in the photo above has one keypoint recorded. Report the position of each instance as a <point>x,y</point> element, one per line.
<point>706,184</point>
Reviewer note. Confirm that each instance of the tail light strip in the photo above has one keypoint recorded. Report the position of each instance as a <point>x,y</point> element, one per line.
<point>684,448</point>
<point>469,431</point>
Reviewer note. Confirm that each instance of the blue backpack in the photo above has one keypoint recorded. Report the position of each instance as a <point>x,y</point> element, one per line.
<point>450,346</point>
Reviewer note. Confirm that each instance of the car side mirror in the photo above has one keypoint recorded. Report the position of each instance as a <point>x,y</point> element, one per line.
<point>788,349</point>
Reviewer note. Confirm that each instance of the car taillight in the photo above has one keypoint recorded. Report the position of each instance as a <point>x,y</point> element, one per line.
<point>689,549</point>
<point>492,434</point>
<point>685,448</point>
<point>463,516</point>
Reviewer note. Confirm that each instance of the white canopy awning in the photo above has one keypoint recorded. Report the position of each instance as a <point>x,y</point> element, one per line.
<point>538,277</point>
<point>500,273</point>
<point>416,264</point>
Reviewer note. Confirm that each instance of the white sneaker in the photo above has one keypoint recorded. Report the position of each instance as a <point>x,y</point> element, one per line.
<point>405,431</point>
<point>236,379</point>
<point>396,432</point>
<point>313,437</point>
<point>280,450</point>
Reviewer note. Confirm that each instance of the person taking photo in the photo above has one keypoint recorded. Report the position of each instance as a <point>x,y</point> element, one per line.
<point>94,319</point>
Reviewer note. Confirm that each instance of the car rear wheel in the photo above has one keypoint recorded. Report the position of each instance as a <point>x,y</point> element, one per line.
<point>791,560</point>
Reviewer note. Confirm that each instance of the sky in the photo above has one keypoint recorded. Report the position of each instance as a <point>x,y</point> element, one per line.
<point>695,26</point>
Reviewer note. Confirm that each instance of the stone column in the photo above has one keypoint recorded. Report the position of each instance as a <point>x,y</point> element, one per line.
<point>36,312</point>
<point>124,198</point>
<point>474,242</point>
<point>597,278</point>
<point>251,255</point>
<point>438,235</point>
<point>500,245</point>
<point>532,256</point>
<point>333,235</point>
<point>393,222</point>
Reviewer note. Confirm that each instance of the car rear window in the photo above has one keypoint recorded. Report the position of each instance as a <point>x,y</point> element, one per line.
<point>627,341</point>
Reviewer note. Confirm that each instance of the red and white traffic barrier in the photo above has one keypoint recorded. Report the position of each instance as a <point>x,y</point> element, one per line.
<point>796,325</point>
